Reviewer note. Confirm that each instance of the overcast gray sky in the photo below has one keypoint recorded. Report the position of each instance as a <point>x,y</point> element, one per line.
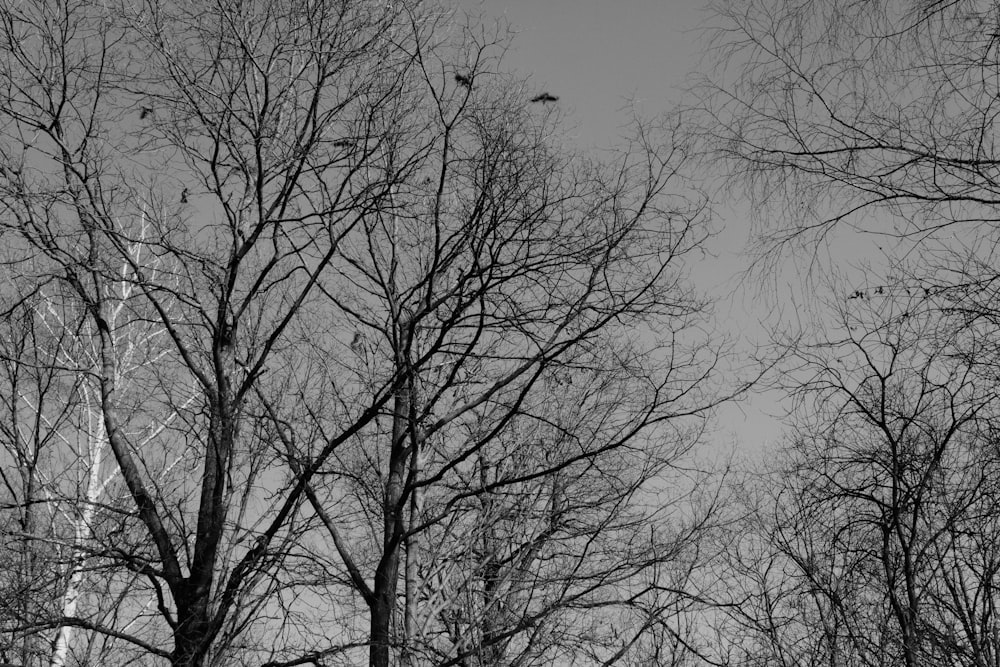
<point>596,54</point>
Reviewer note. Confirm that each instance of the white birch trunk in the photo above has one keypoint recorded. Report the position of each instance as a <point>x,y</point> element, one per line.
<point>97,444</point>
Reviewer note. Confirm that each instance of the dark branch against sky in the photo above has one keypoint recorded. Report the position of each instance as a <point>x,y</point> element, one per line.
<point>598,57</point>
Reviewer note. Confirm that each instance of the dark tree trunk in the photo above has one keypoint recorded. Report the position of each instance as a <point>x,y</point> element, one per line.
<point>195,623</point>
<point>382,611</point>
<point>393,506</point>
<point>190,643</point>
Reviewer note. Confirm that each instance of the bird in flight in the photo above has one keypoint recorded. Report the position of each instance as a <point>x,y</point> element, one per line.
<point>463,80</point>
<point>184,196</point>
<point>544,97</point>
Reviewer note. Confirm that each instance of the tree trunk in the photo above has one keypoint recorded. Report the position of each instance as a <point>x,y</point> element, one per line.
<point>387,572</point>
<point>382,610</point>
<point>188,651</point>
<point>195,632</point>
<point>393,508</point>
<point>192,637</point>
<point>487,652</point>
<point>81,534</point>
<point>412,575</point>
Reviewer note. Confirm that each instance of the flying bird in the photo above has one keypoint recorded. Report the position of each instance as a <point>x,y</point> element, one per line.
<point>463,80</point>
<point>343,143</point>
<point>184,196</point>
<point>544,97</point>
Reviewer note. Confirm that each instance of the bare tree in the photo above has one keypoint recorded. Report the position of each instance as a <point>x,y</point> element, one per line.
<point>342,311</point>
<point>224,200</point>
<point>868,544</point>
<point>38,406</point>
<point>529,311</point>
<point>876,117</point>
<point>858,115</point>
<point>69,499</point>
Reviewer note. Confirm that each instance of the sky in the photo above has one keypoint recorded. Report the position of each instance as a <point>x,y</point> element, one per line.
<point>596,55</point>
